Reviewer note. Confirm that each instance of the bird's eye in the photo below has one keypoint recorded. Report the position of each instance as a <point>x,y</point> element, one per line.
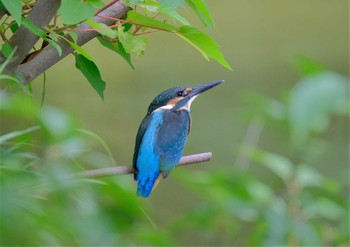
<point>179,93</point>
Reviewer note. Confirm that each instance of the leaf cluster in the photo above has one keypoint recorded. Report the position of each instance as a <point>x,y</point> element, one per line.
<point>125,36</point>
<point>45,201</point>
<point>284,199</point>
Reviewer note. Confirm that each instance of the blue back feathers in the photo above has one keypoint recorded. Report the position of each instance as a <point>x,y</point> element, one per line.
<point>147,159</point>
<point>162,136</point>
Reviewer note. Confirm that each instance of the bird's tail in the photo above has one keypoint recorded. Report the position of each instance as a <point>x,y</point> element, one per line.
<point>145,185</point>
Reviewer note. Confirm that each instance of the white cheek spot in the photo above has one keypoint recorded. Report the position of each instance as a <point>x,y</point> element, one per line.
<point>188,105</point>
<point>164,107</point>
<point>171,105</point>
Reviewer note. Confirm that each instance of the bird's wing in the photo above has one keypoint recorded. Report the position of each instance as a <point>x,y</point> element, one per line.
<point>146,160</point>
<point>139,137</point>
<point>171,138</point>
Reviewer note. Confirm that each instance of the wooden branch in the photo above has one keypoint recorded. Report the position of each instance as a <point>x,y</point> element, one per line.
<point>49,56</point>
<point>118,170</point>
<point>23,39</point>
<point>2,13</point>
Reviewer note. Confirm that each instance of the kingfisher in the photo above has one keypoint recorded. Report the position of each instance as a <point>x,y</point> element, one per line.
<point>162,135</point>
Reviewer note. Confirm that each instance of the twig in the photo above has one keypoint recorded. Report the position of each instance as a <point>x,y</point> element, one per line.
<point>134,23</point>
<point>23,39</point>
<point>119,170</point>
<point>4,37</point>
<point>106,7</point>
<point>49,56</point>
<point>2,12</point>
<point>60,29</point>
<point>95,29</point>
<point>251,138</point>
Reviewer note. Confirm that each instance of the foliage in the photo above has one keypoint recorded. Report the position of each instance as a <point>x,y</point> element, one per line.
<point>268,197</point>
<point>292,204</point>
<point>125,37</point>
<point>45,201</point>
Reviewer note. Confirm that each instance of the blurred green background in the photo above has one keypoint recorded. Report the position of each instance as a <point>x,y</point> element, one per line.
<point>273,46</point>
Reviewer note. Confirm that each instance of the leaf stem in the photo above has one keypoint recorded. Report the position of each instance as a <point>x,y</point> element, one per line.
<point>134,23</point>
<point>4,37</point>
<point>95,29</point>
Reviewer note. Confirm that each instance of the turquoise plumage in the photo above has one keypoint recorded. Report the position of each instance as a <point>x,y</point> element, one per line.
<point>162,135</point>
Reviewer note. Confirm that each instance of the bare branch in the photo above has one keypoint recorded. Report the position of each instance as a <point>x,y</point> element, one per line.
<point>24,40</point>
<point>118,170</point>
<point>49,56</point>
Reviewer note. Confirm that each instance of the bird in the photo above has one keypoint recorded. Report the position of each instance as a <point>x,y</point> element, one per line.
<point>162,135</point>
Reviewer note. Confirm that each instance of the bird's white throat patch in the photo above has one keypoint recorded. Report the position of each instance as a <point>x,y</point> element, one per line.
<point>188,105</point>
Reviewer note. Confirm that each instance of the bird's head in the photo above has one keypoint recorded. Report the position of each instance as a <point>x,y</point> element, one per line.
<point>180,97</point>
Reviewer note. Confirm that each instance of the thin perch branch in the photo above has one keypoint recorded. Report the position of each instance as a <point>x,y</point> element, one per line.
<point>119,170</point>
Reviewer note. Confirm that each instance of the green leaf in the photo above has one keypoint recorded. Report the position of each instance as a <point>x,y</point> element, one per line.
<point>201,9</point>
<point>305,232</point>
<point>134,2</point>
<point>75,11</point>
<point>10,78</point>
<point>260,192</point>
<point>131,43</point>
<point>312,102</point>
<point>33,28</point>
<point>308,176</point>
<point>149,22</point>
<point>91,72</point>
<point>80,50</point>
<point>119,48</point>
<point>147,5</point>
<point>43,93</point>
<point>17,133</point>
<point>127,27</point>
<point>57,123</point>
<point>13,26</point>
<point>103,29</point>
<point>204,43</point>
<point>98,4</point>
<point>57,46</point>
<point>14,7</point>
<point>171,11</point>
<point>101,141</point>
<point>7,50</point>
<point>173,3</point>
<point>52,38</point>
<point>73,35</point>
<point>308,66</point>
<point>276,217</point>
<point>123,53</point>
<point>6,77</point>
<point>278,164</point>
<point>3,65</point>
<point>325,208</point>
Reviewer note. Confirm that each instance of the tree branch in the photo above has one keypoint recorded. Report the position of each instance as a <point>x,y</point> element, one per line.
<point>118,170</point>
<point>49,56</point>
<point>23,39</point>
<point>2,12</point>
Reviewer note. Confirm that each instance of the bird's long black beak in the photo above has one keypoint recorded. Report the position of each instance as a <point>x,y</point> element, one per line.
<point>202,88</point>
<point>196,90</point>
